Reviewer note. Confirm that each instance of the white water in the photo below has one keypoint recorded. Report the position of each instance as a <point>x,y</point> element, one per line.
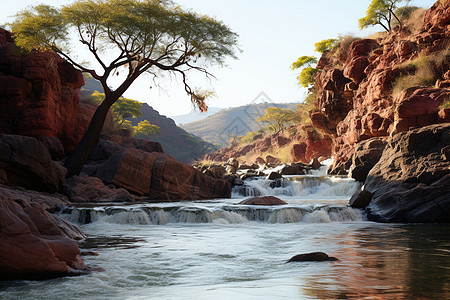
<point>218,249</point>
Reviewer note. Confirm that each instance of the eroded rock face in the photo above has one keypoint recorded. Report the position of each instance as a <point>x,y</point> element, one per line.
<point>357,102</point>
<point>411,181</point>
<point>39,94</point>
<point>367,154</point>
<point>32,244</point>
<point>26,162</point>
<point>153,174</point>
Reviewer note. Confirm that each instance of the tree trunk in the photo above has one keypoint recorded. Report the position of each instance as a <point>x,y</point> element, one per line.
<point>77,157</point>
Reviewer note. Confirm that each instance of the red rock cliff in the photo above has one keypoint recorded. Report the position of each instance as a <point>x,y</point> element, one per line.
<point>356,100</point>
<point>39,94</point>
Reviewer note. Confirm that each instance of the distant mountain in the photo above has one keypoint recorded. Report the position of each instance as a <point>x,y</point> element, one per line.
<point>232,121</point>
<point>195,116</point>
<point>183,146</point>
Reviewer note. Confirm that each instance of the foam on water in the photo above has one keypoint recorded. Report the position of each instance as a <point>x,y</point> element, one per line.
<point>228,214</point>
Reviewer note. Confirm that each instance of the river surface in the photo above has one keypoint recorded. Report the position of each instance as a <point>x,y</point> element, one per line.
<point>220,250</point>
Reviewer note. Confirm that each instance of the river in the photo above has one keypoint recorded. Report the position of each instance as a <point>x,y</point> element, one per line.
<point>220,250</point>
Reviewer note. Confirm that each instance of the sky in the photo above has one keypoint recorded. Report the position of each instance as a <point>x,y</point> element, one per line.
<point>272,35</point>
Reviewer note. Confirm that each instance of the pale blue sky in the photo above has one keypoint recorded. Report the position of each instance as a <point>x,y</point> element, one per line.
<point>273,34</point>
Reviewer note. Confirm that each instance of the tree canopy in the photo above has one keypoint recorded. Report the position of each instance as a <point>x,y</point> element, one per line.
<point>325,45</point>
<point>122,109</point>
<point>305,77</point>
<point>126,38</point>
<point>380,12</point>
<point>145,129</point>
<point>277,117</point>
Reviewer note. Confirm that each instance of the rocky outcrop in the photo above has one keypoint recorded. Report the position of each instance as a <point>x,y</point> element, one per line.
<point>264,200</point>
<point>150,174</point>
<point>26,162</point>
<point>367,154</point>
<point>33,243</point>
<point>356,99</point>
<point>39,94</point>
<point>411,181</point>
<point>82,189</point>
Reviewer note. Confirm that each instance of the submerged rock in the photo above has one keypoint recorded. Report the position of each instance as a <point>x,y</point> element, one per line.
<point>314,256</point>
<point>264,200</point>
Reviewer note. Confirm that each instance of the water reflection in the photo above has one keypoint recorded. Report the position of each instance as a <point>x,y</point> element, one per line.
<point>396,262</point>
<point>95,242</point>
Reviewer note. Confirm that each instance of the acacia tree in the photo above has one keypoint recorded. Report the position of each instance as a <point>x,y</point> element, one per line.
<point>131,35</point>
<point>277,117</point>
<point>306,76</point>
<point>381,12</point>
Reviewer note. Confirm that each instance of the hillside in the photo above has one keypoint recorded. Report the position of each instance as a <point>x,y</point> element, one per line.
<point>194,116</point>
<point>175,141</point>
<point>238,120</point>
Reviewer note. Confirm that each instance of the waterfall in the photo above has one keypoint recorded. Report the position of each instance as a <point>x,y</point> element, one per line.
<point>227,214</point>
<point>306,186</point>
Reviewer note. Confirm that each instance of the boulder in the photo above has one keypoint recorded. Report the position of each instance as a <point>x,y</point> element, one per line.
<point>293,169</point>
<point>264,200</point>
<point>26,162</point>
<point>32,245</point>
<point>411,181</point>
<point>82,189</point>
<point>272,160</point>
<point>128,168</point>
<point>175,181</point>
<point>367,154</point>
<point>216,171</point>
<point>274,175</point>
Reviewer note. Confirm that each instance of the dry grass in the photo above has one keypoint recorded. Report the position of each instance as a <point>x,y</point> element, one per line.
<point>423,71</point>
<point>378,35</point>
<point>415,21</point>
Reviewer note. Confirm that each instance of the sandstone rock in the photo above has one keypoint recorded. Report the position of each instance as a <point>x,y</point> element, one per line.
<point>272,160</point>
<point>84,189</point>
<point>367,154</point>
<point>233,162</point>
<point>174,181</point>
<point>31,244</point>
<point>355,69</point>
<point>26,162</point>
<point>314,256</point>
<point>274,175</point>
<point>261,161</point>
<point>39,94</point>
<point>54,146</point>
<point>265,200</point>
<point>216,171</point>
<point>298,151</point>
<point>360,199</point>
<point>418,107</point>
<point>293,169</point>
<point>411,181</point>
<point>128,168</point>
<point>315,164</point>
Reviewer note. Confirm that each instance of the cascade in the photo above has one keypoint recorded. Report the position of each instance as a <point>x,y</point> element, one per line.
<point>224,214</point>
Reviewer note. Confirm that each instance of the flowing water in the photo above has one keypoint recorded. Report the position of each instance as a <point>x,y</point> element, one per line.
<point>221,250</point>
